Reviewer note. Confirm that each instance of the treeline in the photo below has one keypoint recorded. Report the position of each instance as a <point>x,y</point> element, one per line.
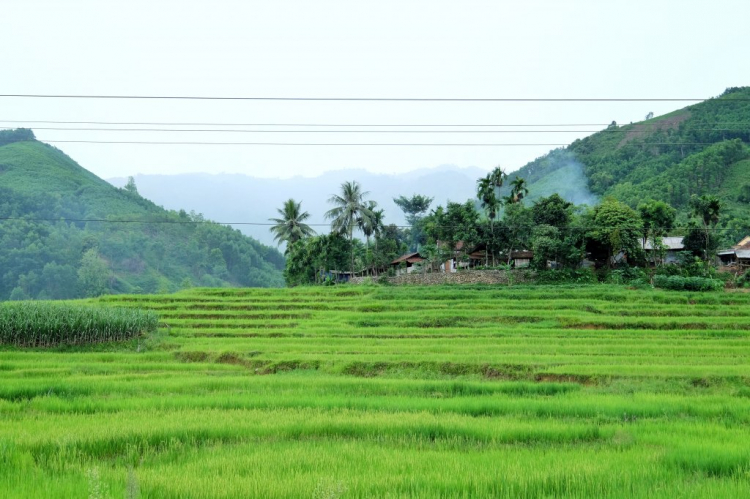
<point>610,235</point>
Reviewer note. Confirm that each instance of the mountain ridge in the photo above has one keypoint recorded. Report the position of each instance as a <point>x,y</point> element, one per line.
<point>700,149</point>
<point>55,212</point>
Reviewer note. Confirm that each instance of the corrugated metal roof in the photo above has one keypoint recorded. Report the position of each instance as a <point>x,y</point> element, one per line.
<point>744,254</point>
<point>671,243</point>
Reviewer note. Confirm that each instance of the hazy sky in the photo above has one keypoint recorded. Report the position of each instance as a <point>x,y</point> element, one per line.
<point>470,49</point>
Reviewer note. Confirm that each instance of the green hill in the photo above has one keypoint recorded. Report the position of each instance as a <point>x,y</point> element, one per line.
<point>701,149</point>
<point>68,255</point>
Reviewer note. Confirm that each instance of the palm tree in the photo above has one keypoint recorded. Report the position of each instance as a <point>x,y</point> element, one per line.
<point>377,226</point>
<point>518,191</point>
<point>350,210</point>
<point>486,193</point>
<point>490,204</point>
<point>367,222</point>
<point>290,227</point>
<point>497,176</point>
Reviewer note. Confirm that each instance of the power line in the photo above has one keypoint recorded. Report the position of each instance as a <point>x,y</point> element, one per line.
<point>151,123</point>
<point>202,130</point>
<point>362,99</point>
<point>358,144</point>
<point>269,224</point>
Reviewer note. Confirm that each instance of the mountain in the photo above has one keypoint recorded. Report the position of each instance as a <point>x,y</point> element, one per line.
<point>241,198</point>
<point>701,149</point>
<point>56,258</point>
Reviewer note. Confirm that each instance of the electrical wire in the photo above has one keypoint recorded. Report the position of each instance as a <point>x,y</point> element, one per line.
<point>366,99</point>
<point>382,125</point>
<point>354,144</point>
<point>269,224</point>
<point>69,129</point>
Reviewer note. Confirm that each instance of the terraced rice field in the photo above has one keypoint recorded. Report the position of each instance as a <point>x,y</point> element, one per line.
<point>391,392</point>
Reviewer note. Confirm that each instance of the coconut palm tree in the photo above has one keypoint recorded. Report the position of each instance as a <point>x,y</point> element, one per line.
<point>290,228</point>
<point>350,210</point>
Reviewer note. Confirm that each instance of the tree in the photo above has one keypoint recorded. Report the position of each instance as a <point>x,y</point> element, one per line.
<point>449,226</point>
<point>414,209</point>
<point>616,228</point>
<point>545,243</point>
<point>707,209</point>
<point>552,210</point>
<point>744,196</point>
<point>487,195</point>
<point>491,205</point>
<point>59,281</point>
<point>93,274</point>
<point>657,217</point>
<point>131,187</point>
<point>518,190</point>
<point>290,228</point>
<point>373,226</point>
<point>350,210</point>
<point>309,259</point>
<point>517,228</point>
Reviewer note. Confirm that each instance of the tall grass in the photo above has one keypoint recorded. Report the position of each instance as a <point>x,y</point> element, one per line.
<point>43,324</point>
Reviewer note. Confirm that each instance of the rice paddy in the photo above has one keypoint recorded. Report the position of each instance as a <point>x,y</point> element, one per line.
<point>354,392</point>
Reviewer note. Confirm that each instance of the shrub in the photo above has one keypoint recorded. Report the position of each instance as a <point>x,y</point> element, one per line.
<point>48,324</point>
<point>679,283</point>
<point>743,281</point>
<point>624,275</point>
<point>566,276</point>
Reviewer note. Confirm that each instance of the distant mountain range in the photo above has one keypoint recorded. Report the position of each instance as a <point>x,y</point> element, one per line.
<point>241,198</point>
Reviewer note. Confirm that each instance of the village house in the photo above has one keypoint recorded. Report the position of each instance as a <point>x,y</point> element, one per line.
<point>405,263</point>
<point>670,246</point>
<point>738,256</point>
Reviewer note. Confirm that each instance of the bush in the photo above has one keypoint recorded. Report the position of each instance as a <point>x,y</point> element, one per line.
<point>624,275</point>
<point>383,280</point>
<point>566,276</point>
<point>679,283</point>
<point>48,324</point>
<point>743,281</point>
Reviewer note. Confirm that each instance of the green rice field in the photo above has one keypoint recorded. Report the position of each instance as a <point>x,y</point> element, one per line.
<point>374,391</point>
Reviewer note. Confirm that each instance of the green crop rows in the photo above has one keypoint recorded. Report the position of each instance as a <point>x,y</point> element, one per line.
<point>366,391</point>
<point>50,323</point>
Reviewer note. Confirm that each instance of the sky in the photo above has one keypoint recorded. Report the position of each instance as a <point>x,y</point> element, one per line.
<point>379,49</point>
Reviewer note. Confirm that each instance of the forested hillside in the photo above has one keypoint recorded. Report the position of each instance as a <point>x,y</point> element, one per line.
<point>701,149</point>
<point>83,247</point>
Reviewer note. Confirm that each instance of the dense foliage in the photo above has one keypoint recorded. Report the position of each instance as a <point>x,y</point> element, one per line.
<point>47,257</point>
<point>44,324</point>
<point>701,149</point>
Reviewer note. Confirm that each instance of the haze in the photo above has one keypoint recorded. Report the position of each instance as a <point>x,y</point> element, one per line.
<point>355,49</point>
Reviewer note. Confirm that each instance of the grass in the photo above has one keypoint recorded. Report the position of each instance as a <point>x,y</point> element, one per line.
<point>360,392</point>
